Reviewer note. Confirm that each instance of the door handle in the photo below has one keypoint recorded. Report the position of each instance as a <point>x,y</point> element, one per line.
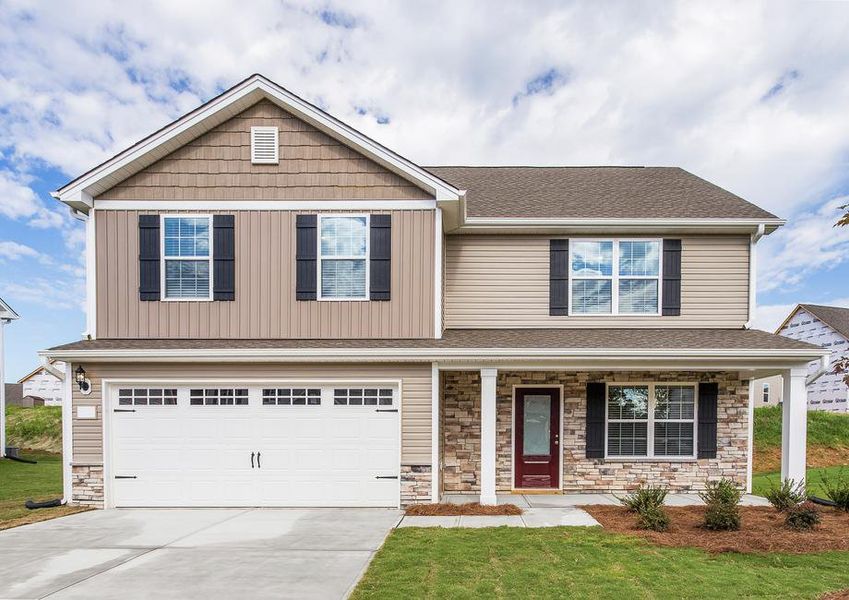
<point>258,465</point>
<point>252,460</point>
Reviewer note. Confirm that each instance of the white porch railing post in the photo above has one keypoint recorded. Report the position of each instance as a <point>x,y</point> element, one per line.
<point>488,426</point>
<point>794,424</point>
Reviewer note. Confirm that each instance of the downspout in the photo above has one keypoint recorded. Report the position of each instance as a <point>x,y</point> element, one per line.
<point>753,274</point>
<point>825,367</point>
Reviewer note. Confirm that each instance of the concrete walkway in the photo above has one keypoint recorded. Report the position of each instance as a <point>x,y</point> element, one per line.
<point>192,553</point>
<point>548,510</point>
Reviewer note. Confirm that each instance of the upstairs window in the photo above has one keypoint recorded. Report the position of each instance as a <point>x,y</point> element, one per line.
<point>614,277</point>
<point>343,257</point>
<point>187,257</point>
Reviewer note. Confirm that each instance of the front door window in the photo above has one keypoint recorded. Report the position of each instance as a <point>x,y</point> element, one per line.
<point>537,438</point>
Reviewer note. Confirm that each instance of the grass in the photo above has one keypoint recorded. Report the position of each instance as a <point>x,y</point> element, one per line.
<point>583,563</point>
<point>761,482</point>
<point>824,428</point>
<point>36,428</point>
<point>20,481</point>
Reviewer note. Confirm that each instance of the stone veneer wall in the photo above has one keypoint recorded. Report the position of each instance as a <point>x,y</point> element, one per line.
<point>87,485</point>
<point>415,484</point>
<point>460,424</point>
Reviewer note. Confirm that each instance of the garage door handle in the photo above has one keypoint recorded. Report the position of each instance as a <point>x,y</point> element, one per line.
<point>252,460</point>
<point>386,477</point>
<point>258,464</point>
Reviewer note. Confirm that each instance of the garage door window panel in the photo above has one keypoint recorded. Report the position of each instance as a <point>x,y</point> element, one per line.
<point>218,397</point>
<point>291,397</point>
<point>363,397</point>
<point>147,397</point>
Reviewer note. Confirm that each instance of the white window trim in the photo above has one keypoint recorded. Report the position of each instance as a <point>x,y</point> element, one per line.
<point>163,258</point>
<point>614,279</point>
<point>650,421</point>
<point>367,258</point>
<point>765,392</point>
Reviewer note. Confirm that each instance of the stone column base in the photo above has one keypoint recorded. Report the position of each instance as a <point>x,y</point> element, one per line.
<point>87,485</point>
<point>415,484</point>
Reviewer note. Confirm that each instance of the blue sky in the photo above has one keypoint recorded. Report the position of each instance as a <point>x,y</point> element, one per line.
<point>752,96</point>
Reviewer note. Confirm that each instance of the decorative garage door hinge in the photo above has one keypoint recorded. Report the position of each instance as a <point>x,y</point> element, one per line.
<point>386,477</point>
<point>125,477</point>
<point>124,410</point>
<point>386,410</point>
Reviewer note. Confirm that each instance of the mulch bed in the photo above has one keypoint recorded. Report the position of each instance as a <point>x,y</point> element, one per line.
<point>762,529</point>
<point>454,510</point>
<point>838,595</point>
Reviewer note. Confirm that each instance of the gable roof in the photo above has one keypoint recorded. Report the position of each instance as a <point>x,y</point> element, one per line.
<point>6,312</point>
<point>835,317</point>
<point>78,193</point>
<point>595,192</point>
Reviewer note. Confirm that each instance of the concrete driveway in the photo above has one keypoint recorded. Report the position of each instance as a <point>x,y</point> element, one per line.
<point>193,553</point>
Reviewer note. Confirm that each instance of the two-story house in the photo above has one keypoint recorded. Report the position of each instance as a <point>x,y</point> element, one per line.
<point>284,312</point>
<point>824,326</point>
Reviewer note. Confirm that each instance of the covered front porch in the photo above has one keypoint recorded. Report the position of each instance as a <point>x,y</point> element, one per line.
<point>578,433</point>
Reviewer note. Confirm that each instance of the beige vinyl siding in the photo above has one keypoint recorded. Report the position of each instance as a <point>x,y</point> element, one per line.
<point>415,395</point>
<point>502,281</point>
<point>217,166</point>
<point>265,305</point>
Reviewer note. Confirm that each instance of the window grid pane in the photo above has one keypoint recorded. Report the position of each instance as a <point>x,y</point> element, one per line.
<point>291,397</point>
<point>638,296</point>
<point>186,236</point>
<point>592,259</point>
<point>362,397</point>
<point>343,236</point>
<point>147,397</point>
<point>673,439</point>
<point>343,278</point>
<point>187,279</point>
<point>218,397</point>
<point>591,296</point>
<point>639,259</point>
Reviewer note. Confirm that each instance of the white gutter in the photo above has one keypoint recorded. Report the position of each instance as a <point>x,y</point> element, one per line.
<point>759,224</point>
<point>825,367</point>
<point>418,354</point>
<point>753,274</point>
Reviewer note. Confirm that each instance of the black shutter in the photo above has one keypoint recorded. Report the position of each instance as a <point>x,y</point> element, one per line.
<point>595,419</point>
<point>149,257</point>
<point>671,278</point>
<point>708,393</point>
<point>558,277</point>
<point>224,257</point>
<point>305,257</point>
<point>380,252</point>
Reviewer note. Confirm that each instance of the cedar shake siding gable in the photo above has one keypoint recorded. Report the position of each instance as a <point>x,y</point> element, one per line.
<point>264,304</point>
<point>217,166</point>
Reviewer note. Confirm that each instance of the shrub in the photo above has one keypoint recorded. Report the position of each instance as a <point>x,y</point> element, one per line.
<point>837,489</point>
<point>643,498</point>
<point>786,495</point>
<point>722,512</point>
<point>654,518</point>
<point>803,516</point>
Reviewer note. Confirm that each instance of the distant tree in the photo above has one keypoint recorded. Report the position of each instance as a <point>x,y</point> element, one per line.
<point>842,365</point>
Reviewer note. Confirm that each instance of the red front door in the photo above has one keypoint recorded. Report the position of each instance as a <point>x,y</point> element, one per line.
<point>537,449</point>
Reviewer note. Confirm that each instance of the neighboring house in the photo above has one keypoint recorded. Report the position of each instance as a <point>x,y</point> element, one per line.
<point>283,312</point>
<point>45,382</point>
<point>826,326</point>
<point>7,315</point>
<point>768,391</point>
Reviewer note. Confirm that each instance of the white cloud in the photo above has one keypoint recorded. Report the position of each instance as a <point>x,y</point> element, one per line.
<point>15,251</point>
<point>54,293</point>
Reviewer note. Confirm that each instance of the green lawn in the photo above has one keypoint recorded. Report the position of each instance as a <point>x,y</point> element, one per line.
<point>761,482</point>
<point>824,428</point>
<point>36,428</point>
<point>20,481</point>
<point>583,563</point>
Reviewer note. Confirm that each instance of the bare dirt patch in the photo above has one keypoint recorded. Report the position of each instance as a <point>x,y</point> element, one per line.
<point>448,509</point>
<point>838,595</point>
<point>762,530</point>
<point>42,514</point>
<point>769,460</point>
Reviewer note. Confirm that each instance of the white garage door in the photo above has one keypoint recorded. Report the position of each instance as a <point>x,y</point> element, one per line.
<point>292,445</point>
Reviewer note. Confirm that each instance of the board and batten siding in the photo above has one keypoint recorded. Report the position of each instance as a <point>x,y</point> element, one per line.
<point>502,281</point>
<point>265,305</point>
<point>217,166</point>
<point>415,395</point>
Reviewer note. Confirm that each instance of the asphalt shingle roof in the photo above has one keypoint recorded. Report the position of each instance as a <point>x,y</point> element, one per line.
<point>834,316</point>
<point>594,193</point>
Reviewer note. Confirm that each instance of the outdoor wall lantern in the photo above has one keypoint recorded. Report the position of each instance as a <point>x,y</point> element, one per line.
<point>82,382</point>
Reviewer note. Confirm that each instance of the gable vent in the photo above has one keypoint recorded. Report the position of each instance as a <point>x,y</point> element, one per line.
<point>264,145</point>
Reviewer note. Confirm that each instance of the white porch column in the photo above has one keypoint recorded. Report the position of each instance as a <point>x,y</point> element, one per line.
<point>2,393</point>
<point>794,424</point>
<point>435,456</point>
<point>488,379</point>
